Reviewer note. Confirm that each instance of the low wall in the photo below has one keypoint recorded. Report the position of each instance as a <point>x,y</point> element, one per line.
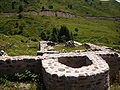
<point>84,70</point>
<point>113,61</point>
<point>96,82</point>
<point>19,64</point>
<point>58,75</point>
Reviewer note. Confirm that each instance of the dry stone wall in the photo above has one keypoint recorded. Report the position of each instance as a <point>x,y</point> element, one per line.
<point>95,82</point>
<point>19,64</point>
<point>62,76</point>
<point>80,70</point>
<point>113,61</point>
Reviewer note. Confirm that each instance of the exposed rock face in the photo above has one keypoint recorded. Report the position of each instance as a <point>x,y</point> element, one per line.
<point>64,14</point>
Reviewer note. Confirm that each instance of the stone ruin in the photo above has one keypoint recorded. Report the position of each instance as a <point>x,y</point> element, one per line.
<point>3,53</point>
<point>75,72</point>
<point>70,44</point>
<point>80,70</point>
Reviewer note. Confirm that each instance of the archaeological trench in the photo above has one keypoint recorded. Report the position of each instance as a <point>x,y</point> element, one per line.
<point>79,70</point>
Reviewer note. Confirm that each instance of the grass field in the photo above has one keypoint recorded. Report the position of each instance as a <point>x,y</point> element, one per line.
<point>18,45</point>
<point>61,47</point>
<point>24,31</point>
<point>78,7</point>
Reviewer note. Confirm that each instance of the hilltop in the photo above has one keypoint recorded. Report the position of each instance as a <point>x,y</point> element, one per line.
<point>109,8</point>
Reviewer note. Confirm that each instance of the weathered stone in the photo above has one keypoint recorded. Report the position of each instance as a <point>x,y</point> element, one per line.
<point>81,70</point>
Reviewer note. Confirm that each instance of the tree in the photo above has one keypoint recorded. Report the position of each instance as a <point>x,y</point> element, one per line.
<point>20,8</point>
<point>26,1</point>
<point>70,6</point>
<point>50,7</point>
<point>54,35</point>
<point>43,36</point>
<point>71,36</point>
<point>20,16</point>
<point>76,29</point>
<point>13,5</point>
<point>86,0</point>
<point>64,32</point>
<point>43,8</point>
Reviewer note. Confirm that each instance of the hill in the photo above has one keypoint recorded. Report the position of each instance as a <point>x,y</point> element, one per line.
<point>109,8</point>
<point>36,27</point>
<point>25,30</point>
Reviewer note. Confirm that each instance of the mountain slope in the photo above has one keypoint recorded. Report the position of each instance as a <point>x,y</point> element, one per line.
<point>21,31</point>
<point>78,7</point>
<point>89,30</point>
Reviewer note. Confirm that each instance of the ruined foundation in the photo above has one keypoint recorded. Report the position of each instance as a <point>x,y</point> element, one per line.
<point>19,64</point>
<point>79,70</point>
<point>75,73</point>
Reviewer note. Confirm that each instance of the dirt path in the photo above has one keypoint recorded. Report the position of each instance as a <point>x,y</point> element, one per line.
<point>64,14</point>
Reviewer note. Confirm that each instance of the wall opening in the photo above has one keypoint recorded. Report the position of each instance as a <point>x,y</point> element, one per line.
<point>75,62</point>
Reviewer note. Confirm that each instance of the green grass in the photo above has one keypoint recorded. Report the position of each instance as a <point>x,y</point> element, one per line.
<point>79,7</point>
<point>8,85</point>
<point>25,32</point>
<point>18,45</point>
<point>23,81</point>
<point>115,86</point>
<point>89,30</point>
<point>61,47</point>
<point>116,47</point>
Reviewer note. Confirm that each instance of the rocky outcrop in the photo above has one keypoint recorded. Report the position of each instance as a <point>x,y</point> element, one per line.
<point>64,14</point>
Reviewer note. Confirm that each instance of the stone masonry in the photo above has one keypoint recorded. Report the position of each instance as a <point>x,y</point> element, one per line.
<point>75,72</point>
<point>18,64</point>
<point>78,70</point>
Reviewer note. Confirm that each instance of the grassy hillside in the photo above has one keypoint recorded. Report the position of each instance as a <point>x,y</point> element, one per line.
<point>78,7</point>
<point>88,29</point>
<point>22,29</point>
<point>16,45</point>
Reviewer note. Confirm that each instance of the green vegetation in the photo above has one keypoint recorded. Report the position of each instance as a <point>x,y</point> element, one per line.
<point>115,86</point>
<point>116,47</point>
<point>30,81</point>
<point>61,35</point>
<point>24,81</point>
<point>8,85</point>
<point>19,35</point>
<point>61,47</point>
<point>34,28</point>
<point>78,7</point>
<point>16,45</point>
<point>115,81</point>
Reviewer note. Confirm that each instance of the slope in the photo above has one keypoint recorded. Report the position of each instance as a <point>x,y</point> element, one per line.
<point>79,7</point>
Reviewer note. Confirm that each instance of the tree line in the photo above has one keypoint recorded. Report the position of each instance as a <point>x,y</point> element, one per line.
<point>58,35</point>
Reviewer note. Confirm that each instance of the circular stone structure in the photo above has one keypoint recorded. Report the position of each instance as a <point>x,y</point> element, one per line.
<point>75,71</point>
